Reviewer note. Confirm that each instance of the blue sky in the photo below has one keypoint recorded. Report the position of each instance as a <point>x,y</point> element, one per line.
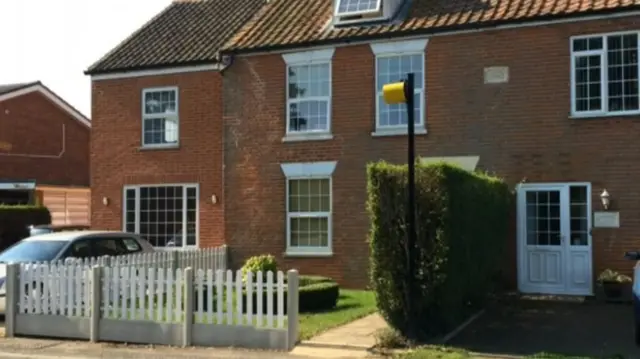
<point>54,41</point>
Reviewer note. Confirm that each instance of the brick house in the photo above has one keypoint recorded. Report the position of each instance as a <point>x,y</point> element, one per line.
<point>44,152</point>
<point>544,94</point>
<point>156,150</point>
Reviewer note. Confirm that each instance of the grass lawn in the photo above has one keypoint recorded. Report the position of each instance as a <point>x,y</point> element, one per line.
<point>450,353</point>
<point>352,305</point>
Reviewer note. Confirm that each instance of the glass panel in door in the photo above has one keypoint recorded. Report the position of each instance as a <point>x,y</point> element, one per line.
<point>579,216</point>
<point>543,218</point>
<point>578,248</point>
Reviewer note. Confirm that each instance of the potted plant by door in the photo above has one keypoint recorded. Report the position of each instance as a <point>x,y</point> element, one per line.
<point>614,287</point>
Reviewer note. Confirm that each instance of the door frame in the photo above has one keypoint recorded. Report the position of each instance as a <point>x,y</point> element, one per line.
<point>521,236</point>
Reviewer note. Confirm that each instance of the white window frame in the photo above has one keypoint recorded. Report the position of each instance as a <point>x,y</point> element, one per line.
<point>315,57</point>
<point>145,116</point>
<point>604,75</point>
<point>184,186</point>
<point>375,10</point>
<point>303,171</point>
<point>393,49</point>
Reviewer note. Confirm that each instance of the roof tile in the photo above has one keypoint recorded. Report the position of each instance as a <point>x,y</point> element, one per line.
<point>291,23</point>
<point>186,32</point>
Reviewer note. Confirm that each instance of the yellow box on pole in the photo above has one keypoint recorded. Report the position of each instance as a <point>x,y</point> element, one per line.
<point>393,93</point>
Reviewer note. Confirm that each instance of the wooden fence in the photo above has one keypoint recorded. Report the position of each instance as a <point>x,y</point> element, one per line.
<point>153,305</point>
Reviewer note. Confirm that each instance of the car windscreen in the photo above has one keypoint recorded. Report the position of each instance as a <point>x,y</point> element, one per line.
<point>32,251</point>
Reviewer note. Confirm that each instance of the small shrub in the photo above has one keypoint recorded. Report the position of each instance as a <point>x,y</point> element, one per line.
<point>611,276</point>
<point>263,263</point>
<point>318,293</point>
<point>389,338</point>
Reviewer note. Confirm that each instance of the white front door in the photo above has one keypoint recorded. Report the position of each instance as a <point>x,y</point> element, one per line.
<point>554,238</point>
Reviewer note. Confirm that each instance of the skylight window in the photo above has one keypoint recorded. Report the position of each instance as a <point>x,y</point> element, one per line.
<point>357,7</point>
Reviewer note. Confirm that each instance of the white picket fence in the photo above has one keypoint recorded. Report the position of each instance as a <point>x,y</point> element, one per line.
<point>153,305</point>
<point>214,258</point>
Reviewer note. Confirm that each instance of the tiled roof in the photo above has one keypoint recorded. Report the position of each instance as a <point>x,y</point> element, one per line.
<point>186,32</point>
<point>14,87</point>
<point>291,23</point>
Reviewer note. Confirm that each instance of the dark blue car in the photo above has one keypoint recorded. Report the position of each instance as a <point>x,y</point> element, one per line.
<point>635,256</point>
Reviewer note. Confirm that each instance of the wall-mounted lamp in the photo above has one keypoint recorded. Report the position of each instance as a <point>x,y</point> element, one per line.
<point>214,199</point>
<point>605,198</point>
<point>105,201</point>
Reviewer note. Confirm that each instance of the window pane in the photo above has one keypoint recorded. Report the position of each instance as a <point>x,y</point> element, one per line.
<point>395,68</point>
<point>307,116</point>
<point>586,44</point>
<point>622,68</point>
<point>162,215</point>
<point>588,83</point>
<point>160,130</point>
<point>308,81</point>
<point>160,102</point>
<point>309,195</point>
<point>309,232</point>
<point>396,115</point>
<point>130,210</point>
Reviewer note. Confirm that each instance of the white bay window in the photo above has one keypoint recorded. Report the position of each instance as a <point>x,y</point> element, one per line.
<point>165,215</point>
<point>604,76</point>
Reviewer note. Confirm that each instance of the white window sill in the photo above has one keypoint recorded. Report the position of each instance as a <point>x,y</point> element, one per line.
<point>320,252</point>
<point>603,114</point>
<point>310,136</point>
<point>419,130</point>
<point>159,147</point>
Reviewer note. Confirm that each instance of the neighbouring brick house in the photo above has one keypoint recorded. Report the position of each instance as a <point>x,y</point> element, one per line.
<point>44,152</point>
<point>542,93</point>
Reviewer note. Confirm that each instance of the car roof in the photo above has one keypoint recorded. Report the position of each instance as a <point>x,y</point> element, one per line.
<point>70,236</point>
<point>60,226</point>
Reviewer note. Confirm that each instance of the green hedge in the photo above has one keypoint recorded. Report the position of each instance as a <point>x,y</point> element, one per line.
<point>15,220</point>
<point>462,221</point>
<point>315,294</point>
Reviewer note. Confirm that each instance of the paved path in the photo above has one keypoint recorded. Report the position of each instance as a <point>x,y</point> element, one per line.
<point>348,341</point>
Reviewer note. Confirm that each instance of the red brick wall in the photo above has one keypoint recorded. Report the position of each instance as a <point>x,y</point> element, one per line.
<point>520,130</point>
<point>32,125</point>
<point>117,160</point>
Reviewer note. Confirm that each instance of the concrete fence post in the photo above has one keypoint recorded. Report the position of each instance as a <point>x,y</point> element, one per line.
<point>293,307</point>
<point>95,303</point>
<point>12,295</point>
<point>187,330</point>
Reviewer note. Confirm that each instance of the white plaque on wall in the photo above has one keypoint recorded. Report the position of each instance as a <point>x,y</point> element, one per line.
<point>606,219</point>
<point>496,75</point>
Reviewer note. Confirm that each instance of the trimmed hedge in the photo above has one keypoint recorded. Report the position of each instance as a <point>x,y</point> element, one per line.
<point>462,221</point>
<point>15,222</point>
<point>315,294</point>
